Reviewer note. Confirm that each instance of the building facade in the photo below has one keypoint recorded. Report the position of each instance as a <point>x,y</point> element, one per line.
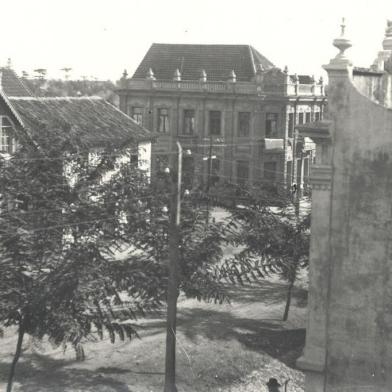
<point>230,106</point>
<point>349,335</point>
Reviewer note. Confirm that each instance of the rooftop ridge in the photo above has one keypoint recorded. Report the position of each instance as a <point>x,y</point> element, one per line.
<point>252,59</point>
<point>36,98</point>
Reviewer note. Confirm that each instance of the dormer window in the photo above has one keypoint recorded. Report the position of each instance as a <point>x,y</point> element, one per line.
<point>7,141</point>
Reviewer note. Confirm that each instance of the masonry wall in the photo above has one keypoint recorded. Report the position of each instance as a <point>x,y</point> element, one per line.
<point>378,87</point>
<point>359,308</point>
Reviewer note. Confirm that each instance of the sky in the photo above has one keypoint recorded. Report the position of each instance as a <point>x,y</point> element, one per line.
<point>101,38</point>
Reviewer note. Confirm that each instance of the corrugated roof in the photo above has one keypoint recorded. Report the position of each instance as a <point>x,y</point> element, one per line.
<point>12,85</point>
<point>217,60</point>
<point>98,122</point>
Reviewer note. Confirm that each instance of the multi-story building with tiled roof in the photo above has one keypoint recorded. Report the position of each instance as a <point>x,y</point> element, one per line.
<point>228,103</point>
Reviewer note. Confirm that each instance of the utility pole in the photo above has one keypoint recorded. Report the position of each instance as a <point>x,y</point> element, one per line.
<point>173,281</point>
<point>209,180</point>
<point>293,270</point>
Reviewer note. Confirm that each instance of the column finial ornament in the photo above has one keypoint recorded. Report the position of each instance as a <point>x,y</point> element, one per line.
<point>387,42</point>
<point>342,43</point>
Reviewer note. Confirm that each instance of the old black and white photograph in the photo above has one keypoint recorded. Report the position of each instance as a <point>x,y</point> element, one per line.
<point>196,196</point>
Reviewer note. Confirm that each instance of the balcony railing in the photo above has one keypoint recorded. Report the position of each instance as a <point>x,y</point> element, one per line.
<point>249,88</point>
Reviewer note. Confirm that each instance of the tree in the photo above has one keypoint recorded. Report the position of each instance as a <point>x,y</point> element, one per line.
<point>58,237</point>
<point>275,239</point>
<point>41,73</point>
<point>66,71</point>
<point>64,221</point>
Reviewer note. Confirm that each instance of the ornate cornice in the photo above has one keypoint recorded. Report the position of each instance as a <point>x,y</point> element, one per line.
<point>321,176</point>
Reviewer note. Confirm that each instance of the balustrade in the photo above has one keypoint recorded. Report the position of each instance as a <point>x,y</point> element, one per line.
<point>225,87</point>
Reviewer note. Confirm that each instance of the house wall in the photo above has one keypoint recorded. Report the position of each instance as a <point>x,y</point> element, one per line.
<point>144,157</point>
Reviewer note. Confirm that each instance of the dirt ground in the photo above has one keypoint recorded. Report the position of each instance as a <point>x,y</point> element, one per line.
<point>220,348</point>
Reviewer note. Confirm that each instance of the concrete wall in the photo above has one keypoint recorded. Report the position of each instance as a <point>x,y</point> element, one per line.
<point>349,335</point>
<point>376,87</point>
<point>359,313</point>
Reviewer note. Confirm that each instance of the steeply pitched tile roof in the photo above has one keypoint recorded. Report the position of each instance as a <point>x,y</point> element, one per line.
<point>12,85</point>
<point>98,122</point>
<point>217,60</point>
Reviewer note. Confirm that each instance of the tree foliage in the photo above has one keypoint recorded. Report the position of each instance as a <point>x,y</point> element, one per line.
<point>47,87</point>
<point>84,243</point>
<point>273,239</point>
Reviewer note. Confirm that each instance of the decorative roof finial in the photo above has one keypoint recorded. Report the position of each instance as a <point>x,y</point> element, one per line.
<point>9,62</point>
<point>177,75</point>
<point>387,42</point>
<point>125,74</point>
<point>150,74</point>
<point>343,27</point>
<point>286,69</point>
<point>232,76</point>
<point>342,43</point>
<point>203,75</point>
<point>259,68</point>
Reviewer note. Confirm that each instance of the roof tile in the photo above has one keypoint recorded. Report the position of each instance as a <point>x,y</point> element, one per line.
<point>98,122</point>
<point>12,85</point>
<point>217,60</point>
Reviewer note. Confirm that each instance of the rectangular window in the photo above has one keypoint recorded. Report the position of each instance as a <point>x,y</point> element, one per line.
<point>290,125</point>
<point>270,171</point>
<point>317,116</point>
<point>137,114</point>
<point>271,124</point>
<point>300,118</point>
<point>6,139</point>
<point>307,117</point>
<point>242,172</point>
<point>189,122</point>
<point>163,120</point>
<point>215,122</point>
<point>243,123</point>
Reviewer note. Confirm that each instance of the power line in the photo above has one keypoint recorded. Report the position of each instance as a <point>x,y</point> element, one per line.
<point>36,211</point>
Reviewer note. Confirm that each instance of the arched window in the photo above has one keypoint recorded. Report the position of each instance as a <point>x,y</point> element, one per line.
<point>7,141</point>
